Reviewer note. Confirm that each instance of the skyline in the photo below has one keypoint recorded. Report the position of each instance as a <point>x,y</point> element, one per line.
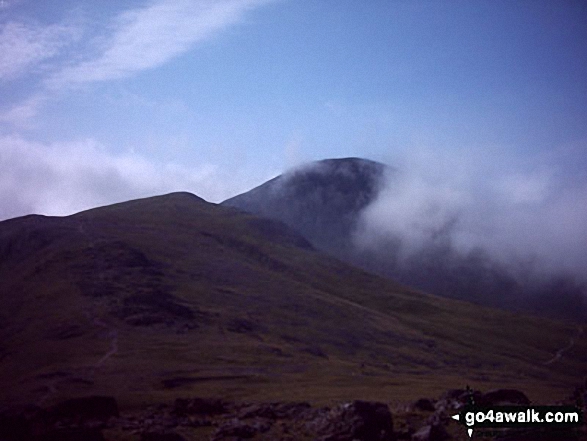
<point>105,102</point>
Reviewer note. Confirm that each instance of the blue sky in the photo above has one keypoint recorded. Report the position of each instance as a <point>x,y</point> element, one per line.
<point>106,101</point>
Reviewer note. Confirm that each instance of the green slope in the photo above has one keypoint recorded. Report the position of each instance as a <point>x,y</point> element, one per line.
<point>172,296</point>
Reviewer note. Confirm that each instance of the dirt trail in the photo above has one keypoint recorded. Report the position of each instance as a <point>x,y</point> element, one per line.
<point>52,384</point>
<point>113,335</point>
<point>564,349</point>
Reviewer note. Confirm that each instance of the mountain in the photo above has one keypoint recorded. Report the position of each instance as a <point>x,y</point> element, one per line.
<point>325,201</point>
<point>170,296</point>
<point>322,200</point>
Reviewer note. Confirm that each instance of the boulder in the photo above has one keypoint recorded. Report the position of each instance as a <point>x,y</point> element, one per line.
<point>238,429</point>
<point>499,397</point>
<point>424,404</point>
<point>358,420</point>
<point>433,432</point>
<point>456,398</point>
<point>199,406</point>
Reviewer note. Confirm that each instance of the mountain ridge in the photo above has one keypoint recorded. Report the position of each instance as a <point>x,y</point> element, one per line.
<point>158,297</point>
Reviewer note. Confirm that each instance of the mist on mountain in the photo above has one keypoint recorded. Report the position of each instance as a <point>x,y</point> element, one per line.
<point>485,230</point>
<point>491,233</point>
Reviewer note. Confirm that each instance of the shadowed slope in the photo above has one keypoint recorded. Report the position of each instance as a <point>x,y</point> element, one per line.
<point>171,295</point>
<point>322,200</point>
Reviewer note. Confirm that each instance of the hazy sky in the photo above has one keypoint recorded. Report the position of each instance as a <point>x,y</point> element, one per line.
<point>103,101</point>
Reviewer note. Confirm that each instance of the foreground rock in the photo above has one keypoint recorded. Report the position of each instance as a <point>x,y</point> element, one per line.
<point>199,406</point>
<point>213,419</point>
<point>433,432</point>
<point>359,420</point>
<point>500,397</point>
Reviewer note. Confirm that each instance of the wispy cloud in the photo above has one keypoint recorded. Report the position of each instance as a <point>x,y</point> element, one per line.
<point>68,53</point>
<point>21,114</point>
<point>148,37</point>
<point>63,178</point>
<point>24,47</point>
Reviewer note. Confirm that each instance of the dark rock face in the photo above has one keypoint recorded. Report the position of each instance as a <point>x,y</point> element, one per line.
<point>358,420</point>
<point>93,407</point>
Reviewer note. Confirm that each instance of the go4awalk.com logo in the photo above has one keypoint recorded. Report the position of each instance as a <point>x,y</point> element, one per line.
<point>501,417</point>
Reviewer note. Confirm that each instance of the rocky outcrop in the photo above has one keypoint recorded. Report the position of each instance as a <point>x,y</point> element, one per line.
<point>424,404</point>
<point>241,430</point>
<point>358,420</point>
<point>215,419</point>
<point>432,432</point>
<point>274,411</point>
<point>199,406</point>
<point>500,397</point>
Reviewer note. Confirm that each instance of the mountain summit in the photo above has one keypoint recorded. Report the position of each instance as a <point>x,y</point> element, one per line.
<point>322,200</point>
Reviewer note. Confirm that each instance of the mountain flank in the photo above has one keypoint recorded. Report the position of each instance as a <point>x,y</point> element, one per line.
<point>322,200</point>
<point>329,203</point>
<point>170,296</point>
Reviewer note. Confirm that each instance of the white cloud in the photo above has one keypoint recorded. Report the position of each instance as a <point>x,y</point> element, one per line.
<point>148,37</point>
<point>21,114</point>
<point>520,188</point>
<point>510,208</point>
<point>61,179</point>
<point>415,208</point>
<point>23,47</point>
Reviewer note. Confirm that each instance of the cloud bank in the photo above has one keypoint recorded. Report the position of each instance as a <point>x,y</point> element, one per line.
<point>509,208</point>
<point>491,229</point>
<point>44,61</point>
<point>61,179</point>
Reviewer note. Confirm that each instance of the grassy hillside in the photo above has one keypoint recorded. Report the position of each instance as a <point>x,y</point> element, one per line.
<point>172,296</point>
